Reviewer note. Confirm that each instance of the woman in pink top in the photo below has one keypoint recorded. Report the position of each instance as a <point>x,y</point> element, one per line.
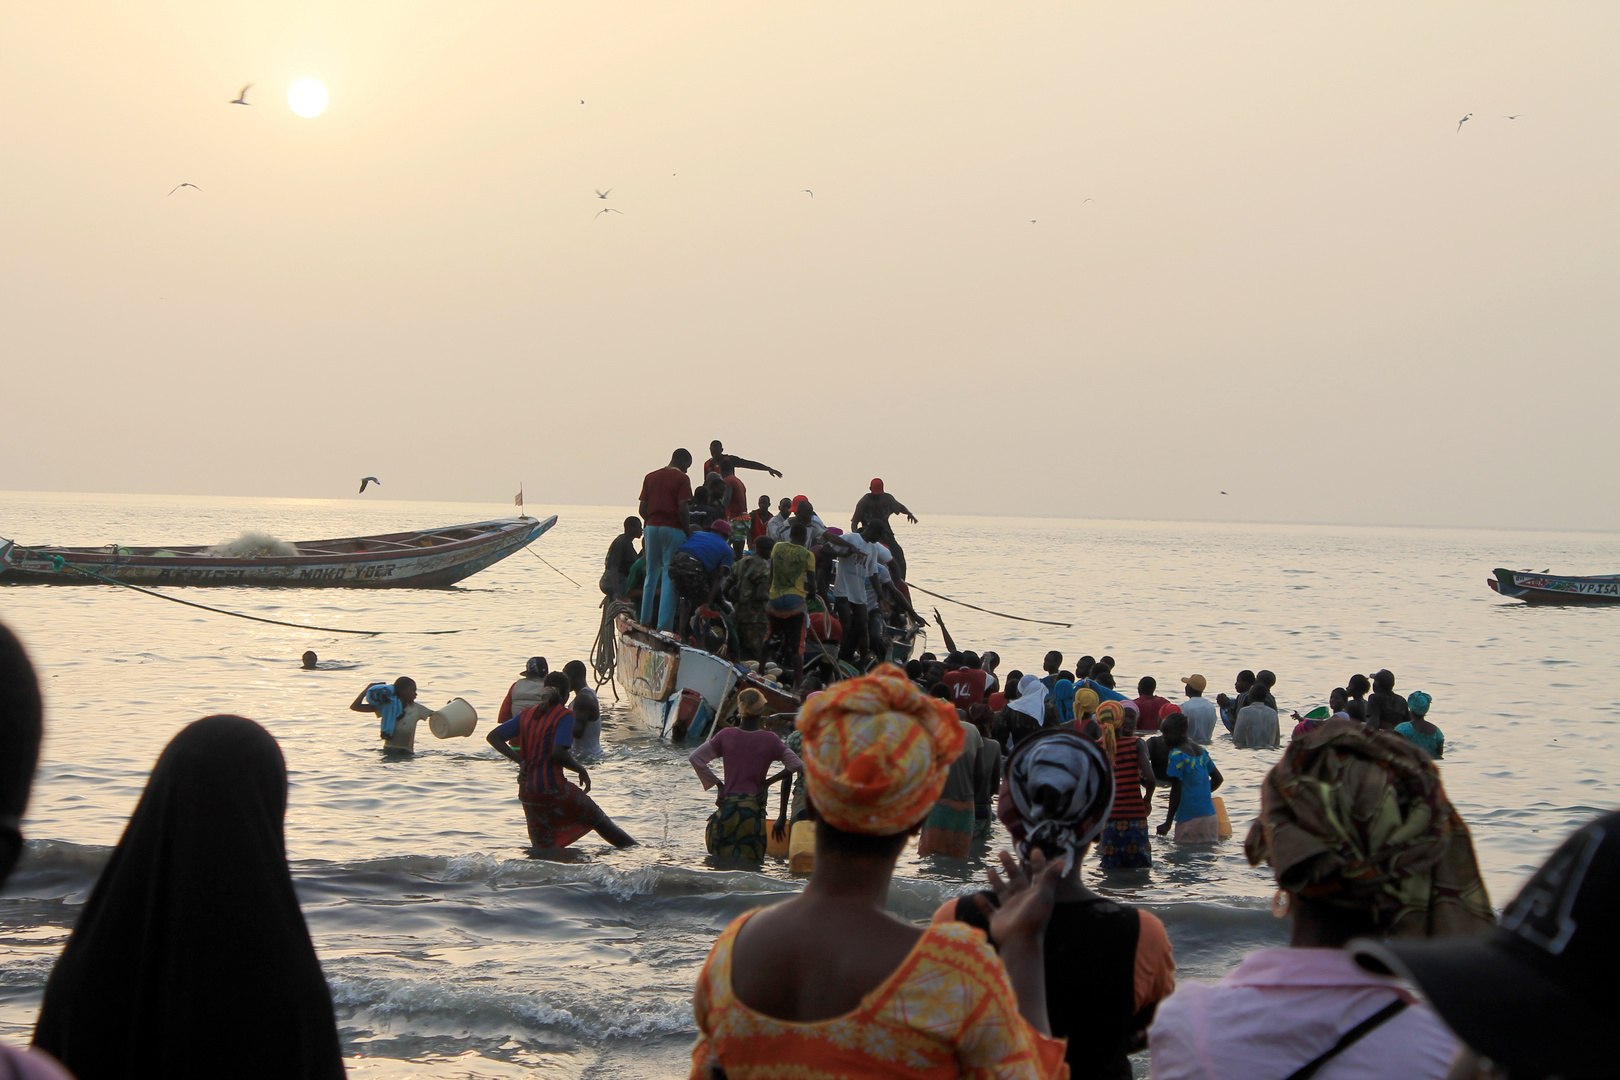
<point>736,829</point>
<point>1363,843</point>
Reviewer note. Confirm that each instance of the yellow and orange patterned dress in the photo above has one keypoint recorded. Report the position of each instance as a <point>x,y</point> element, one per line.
<point>947,1011</point>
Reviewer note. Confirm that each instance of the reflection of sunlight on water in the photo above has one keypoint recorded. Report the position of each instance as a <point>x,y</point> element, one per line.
<point>628,928</point>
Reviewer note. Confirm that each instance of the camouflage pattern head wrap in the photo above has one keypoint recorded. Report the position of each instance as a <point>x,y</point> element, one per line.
<point>1363,822</point>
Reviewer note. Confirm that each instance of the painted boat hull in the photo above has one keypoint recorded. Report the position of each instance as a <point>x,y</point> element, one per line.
<point>424,559</point>
<point>1555,589</point>
<point>653,671</point>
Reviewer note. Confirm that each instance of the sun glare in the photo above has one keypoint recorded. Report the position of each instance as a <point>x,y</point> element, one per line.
<point>307,98</point>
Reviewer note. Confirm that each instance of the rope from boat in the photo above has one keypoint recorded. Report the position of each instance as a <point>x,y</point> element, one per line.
<point>542,558</point>
<point>60,563</point>
<point>987,611</point>
<point>605,650</point>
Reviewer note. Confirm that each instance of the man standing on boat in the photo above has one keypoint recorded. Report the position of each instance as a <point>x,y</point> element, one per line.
<point>719,457</point>
<point>664,495</point>
<point>875,508</point>
<point>556,811</point>
<point>621,556</point>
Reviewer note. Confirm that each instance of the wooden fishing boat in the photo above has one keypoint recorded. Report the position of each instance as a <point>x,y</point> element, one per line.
<point>1544,588</point>
<point>423,559</point>
<point>674,690</point>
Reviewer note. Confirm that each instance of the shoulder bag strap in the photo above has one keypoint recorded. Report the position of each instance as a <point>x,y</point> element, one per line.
<point>1349,1039</point>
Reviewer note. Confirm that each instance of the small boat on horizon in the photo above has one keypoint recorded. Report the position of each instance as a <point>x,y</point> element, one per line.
<point>420,559</point>
<point>1545,588</point>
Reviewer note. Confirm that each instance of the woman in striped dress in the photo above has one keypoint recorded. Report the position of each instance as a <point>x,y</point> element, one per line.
<point>1125,843</point>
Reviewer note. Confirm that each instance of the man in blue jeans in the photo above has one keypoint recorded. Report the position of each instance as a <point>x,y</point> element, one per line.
<point>664,495</point>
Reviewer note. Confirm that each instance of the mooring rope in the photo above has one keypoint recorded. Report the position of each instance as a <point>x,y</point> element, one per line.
<point>60,563</point>
<point>987,611</point>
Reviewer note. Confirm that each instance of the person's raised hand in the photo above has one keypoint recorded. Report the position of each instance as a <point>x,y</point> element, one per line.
<point>1024,898</point>
<point>774,473</point>
<point>912,518</point>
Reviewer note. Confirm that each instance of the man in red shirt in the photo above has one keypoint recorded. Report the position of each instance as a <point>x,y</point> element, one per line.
<point>967,683</point>
<point>738,506</point>
<point>664,495</point>
<point>719,457</point>
<point>1149,705</point>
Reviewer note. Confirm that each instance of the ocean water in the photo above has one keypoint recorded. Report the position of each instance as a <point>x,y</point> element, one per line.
<point>452,954</point>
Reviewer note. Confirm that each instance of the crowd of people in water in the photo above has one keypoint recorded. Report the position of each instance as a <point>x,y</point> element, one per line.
<point>1396,963</point>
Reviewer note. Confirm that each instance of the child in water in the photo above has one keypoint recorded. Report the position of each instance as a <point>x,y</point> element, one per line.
<point>1193,779</point>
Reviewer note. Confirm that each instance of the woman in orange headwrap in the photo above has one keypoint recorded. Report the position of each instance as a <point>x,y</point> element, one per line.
<point>828,983</point>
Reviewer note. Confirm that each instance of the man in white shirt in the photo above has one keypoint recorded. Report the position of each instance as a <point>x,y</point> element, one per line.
<point>1200,712</point>
<point>857,557</point>
<point>402,735</point>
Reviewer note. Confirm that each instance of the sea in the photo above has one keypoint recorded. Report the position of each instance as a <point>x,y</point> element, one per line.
<point>451,953</point>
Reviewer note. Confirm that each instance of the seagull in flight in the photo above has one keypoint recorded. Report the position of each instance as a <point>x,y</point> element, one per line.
<point>608,210</point>
<point>364,480</point>
<point>1515,116</point>
<point>1463,121</point>
<point>600,194</point>
<point>241,99</point>
<point>808,192</point>
<point>1223,493</point>
<point>1088,200</point>
<point>177,187</point>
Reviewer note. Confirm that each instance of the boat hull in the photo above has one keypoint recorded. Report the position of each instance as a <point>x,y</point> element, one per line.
<point>656,672</point>
<point>1555,589</point>
<point>379,562</point>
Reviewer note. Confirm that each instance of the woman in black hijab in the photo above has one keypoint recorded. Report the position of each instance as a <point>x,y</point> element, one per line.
<point>192,957</point>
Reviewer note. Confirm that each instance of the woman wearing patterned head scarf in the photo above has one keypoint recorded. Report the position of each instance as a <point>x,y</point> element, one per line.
<point>1362,842</point>
<point>1056,799</point>
<point>1125,844</point>
<point>829,983</point>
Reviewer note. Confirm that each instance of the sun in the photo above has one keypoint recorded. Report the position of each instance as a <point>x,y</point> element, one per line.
<point>307,98</point>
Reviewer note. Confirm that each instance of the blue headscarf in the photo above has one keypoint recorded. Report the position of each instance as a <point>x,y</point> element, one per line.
<point>1419,703</point>
<point>1063,694</point>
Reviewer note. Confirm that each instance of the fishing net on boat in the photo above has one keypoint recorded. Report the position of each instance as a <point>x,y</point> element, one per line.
<point>253,545</point>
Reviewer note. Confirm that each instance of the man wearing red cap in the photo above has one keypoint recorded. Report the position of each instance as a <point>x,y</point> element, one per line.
<point>875,508</point>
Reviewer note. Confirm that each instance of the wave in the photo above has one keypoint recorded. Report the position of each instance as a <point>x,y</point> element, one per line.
<point>457,1008</point>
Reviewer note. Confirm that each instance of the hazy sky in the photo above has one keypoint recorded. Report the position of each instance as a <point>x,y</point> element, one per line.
<point>1297,281</point>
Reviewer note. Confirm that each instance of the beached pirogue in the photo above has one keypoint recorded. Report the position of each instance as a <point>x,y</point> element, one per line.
<point>424,559</point>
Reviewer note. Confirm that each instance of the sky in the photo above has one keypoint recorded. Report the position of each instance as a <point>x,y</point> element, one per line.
<point>1079,260</point>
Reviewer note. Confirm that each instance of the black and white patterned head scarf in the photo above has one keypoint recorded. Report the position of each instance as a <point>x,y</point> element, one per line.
<point>1063,788</point>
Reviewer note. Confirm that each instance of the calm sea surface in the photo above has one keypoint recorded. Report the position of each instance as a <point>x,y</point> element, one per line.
<point>450,954</point>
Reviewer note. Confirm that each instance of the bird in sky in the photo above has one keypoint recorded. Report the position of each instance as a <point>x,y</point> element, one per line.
<point>1223,493</point>
<point>1088,200</point>
<point>609,210</point>
<point>1032,221</point>
<point>364,480</point>
<point>1463,121</point>
<point>600,194</point>
<point>582,101</point>
<point>241,99</point>
<point>808,192</point>
<point>177,187</point>
<point>1515,116</point>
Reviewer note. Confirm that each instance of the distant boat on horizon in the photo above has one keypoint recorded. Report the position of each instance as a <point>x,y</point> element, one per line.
<point>1545,588</point>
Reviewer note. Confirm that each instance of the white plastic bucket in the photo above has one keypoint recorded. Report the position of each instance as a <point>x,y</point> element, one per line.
<point>455,721</point>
